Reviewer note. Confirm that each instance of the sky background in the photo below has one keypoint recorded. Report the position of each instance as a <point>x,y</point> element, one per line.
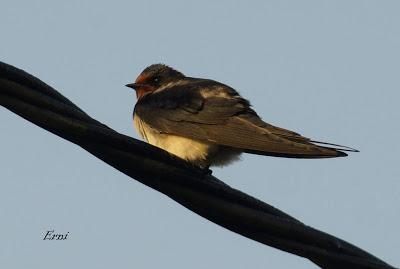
<point>326,69</point>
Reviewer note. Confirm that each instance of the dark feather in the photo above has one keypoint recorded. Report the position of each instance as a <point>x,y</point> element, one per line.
<point>224,118</point>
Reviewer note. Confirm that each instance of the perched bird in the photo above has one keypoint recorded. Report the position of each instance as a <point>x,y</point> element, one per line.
<point>208,123</point>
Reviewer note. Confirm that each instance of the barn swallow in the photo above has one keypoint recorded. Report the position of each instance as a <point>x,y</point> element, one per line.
<point>208,123</point>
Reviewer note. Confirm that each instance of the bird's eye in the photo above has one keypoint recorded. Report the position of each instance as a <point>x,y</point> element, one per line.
<point>156,79</point>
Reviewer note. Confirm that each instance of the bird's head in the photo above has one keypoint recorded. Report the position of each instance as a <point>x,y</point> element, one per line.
<point>154,77</point>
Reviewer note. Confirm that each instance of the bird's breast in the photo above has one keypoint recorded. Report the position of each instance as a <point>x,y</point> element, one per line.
<point>197,152</point>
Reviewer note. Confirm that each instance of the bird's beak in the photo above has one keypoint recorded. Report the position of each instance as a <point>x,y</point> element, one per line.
<point>133,85</point>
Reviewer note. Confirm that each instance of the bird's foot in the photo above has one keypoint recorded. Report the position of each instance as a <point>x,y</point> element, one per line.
<point>207,171</point>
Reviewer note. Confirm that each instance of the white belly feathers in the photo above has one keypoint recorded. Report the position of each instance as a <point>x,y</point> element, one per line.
<point>198,152</point>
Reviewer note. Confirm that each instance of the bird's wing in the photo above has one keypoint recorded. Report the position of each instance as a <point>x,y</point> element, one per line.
<point>213,112</point>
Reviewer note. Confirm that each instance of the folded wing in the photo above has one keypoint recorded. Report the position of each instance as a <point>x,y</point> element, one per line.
<point>225,118</point>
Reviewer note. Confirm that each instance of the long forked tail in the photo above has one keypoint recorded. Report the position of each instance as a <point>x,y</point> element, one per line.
<point>334,146</point>
<point>280,142</point>
<point>310,149</point>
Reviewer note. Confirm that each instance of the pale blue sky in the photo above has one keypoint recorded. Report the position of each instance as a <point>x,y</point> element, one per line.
<point>327,69</point>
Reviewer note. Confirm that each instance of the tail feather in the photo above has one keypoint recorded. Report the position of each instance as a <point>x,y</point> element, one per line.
<point>313,150</point>
<point>335,146</point>
<point>334,154</point>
